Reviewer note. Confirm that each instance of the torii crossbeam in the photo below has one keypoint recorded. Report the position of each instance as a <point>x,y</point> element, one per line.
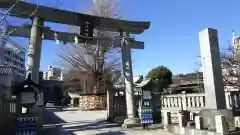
<point>48,34</point>
<point>23,10</point>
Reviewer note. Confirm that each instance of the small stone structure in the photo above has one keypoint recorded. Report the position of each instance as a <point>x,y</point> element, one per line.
<point>220,121</point>
<point>88,101</point>
<point>92,102</point>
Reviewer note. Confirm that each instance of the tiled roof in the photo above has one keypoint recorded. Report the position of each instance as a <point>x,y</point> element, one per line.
<point>4,70</point>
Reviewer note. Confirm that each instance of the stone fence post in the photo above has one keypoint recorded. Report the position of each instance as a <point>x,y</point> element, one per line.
<point>221,124</point>
<point>184,101</point>
<point>166,119</point>
<point>198,122</point>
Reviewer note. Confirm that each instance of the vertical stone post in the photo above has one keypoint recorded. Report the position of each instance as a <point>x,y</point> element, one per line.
<point>198,122</point>
<point>221,124</point>
<point>184,101</point>
<point>181,120</point>
<point>166,119</point>
<point>192,115</point>
<point>212,71</point>
<point>127,70</point>
<point>85,85</point>
<point>34,49</point>
<point>237,121</point>
<point>72,102</point>
<point>227,95</point>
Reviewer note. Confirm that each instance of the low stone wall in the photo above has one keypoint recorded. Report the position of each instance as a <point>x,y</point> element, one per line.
<point>92,102</point>
<point>196,125</point>
<point>190,131</point>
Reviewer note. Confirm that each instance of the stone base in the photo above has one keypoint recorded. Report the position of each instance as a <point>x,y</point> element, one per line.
<point>131,122</point>
<point>208,116</point>
<point>190,131</point>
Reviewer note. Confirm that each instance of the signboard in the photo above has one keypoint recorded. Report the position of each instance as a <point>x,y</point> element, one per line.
<point>146,107</point>
<point>26,126</point>
<point>87,29</point>
<point>27,97</point>
<point>147,95</point>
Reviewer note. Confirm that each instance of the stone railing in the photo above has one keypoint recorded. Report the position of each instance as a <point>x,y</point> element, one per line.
<point>196,101</point>
<point>233,99</point>
<point>183,101</point>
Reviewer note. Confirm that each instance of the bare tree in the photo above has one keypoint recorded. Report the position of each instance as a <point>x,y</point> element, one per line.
<point>230,62</point>
<point>83,57</point>
<point>231,67</point>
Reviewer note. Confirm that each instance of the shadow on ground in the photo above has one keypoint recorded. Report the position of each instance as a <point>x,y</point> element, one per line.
<point>112,133</point>
<point>54,125</point>
<point>92,126</point>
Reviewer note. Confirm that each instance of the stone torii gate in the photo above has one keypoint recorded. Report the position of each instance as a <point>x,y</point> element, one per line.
<point>38,31</point>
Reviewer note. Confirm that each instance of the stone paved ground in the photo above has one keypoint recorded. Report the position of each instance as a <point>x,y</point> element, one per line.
<point>74,122</point>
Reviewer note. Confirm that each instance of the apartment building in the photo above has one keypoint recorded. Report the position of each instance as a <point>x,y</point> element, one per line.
<point>53,73</point>
<point>13,56</point>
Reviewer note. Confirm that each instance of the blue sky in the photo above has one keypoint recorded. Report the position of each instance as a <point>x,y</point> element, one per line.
<point>172,39</point>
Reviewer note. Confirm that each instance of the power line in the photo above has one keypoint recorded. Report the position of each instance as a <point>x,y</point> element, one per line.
<point>9,10</point>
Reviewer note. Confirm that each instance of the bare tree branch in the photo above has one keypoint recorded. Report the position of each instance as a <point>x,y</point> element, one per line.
<point>231,67</point>
<point>83,57</point>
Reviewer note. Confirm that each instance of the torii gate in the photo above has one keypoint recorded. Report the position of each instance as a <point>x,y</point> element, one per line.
<point>38,31</point>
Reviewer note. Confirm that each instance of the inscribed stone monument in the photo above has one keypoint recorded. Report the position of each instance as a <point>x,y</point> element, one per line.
<point>212,72</point>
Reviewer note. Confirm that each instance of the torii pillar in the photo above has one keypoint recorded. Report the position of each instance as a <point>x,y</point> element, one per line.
<point>131,120</point>
<point>34,49</point>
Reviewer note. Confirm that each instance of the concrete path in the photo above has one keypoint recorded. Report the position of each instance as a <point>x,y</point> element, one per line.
<point>74,122</point>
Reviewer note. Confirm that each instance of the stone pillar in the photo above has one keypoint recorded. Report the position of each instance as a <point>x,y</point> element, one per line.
<point>34,49</point>
<point>237,121</point>
<point>221,124</point>
<point>166,118</point>
<point>72,102</point>
<point>127,70</point>
<point>227,95</point>
<point>198,122</point>
<point>212,71</point>
<point>192,115</point>
<point>181,120</point>
<point>184,101</point>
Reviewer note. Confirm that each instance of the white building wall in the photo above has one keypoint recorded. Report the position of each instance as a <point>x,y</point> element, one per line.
<point>3,27</point>
<point>14,56</point>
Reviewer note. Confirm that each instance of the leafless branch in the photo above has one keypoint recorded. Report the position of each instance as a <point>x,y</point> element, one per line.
<point>83,58</point>
<point>231,67</point>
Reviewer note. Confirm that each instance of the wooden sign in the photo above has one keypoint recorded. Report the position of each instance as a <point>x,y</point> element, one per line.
<point>27,97</point>
<point>147,95</point>
<point>87,29</point>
